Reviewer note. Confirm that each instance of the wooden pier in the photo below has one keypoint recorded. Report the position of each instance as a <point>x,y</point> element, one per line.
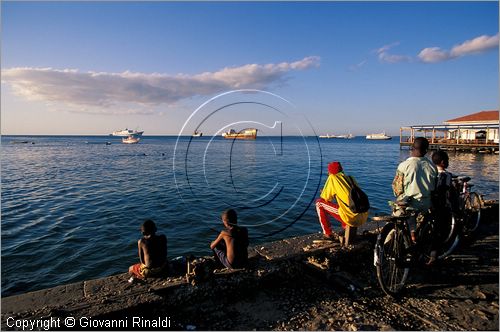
<point>467,138</point>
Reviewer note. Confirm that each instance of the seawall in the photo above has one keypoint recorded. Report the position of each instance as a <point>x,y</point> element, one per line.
<point>296,283</point>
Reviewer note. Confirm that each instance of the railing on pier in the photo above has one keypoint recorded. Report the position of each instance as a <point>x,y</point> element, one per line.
<point>453,137</point>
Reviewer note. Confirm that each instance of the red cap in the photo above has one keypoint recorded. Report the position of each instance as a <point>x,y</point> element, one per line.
<point>334,167</point>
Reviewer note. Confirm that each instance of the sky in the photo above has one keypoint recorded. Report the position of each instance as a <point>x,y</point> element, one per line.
<point>89,68</point>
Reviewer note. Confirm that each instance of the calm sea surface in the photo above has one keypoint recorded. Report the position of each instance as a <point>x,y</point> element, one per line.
<point>72,206</point>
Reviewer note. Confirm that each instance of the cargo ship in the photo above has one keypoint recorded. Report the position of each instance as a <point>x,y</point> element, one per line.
<point>249,133</point>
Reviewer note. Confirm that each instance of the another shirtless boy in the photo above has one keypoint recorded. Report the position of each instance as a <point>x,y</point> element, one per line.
<point>230,247</point>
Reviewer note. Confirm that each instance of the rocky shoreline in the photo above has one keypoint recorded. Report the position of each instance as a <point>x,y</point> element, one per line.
<point>292,284</point>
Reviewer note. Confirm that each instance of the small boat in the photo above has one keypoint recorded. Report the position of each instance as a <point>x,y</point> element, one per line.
<point>249,133</point>
<point>381,136</point>
<point>197,134</point>
<point>132,139</point>
<point>127,132</point>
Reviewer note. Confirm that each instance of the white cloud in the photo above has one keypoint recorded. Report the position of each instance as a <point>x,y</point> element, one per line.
<point>101,92</point>
<point>385,56</point>
<point>386,48</point>
<point>433,54</point>
<point>393,58</point>
<point>477,45</point>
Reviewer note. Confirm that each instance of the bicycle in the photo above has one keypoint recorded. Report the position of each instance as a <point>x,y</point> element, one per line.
<point>395,252</point>
<point>466,213</point>
<point>470,204</point>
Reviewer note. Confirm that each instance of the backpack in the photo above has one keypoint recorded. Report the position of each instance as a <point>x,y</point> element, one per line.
<point>358,200</point>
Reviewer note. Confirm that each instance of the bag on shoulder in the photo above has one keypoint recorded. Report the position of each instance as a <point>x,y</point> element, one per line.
<point>358,200</point>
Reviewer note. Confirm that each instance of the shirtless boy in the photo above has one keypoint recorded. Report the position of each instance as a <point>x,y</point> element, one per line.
<point>152,253</point>
<point>230,247</point>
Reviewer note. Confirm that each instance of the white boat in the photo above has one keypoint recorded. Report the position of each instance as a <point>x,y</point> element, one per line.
<point>127,132</point>
<point>381,136</point>
<point>132,139</point>
<point>197,134</point>
<point>348,136</point>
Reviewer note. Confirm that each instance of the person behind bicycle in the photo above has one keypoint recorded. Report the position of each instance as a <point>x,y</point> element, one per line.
<point>415,181</point>
<point>445,194</point>
<point>443,200</point>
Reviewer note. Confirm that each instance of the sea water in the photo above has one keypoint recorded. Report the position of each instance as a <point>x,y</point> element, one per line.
<point>72,206</point>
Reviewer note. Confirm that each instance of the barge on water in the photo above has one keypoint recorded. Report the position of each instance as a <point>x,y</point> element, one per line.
<point>249,133</point>
<point>476,132</point>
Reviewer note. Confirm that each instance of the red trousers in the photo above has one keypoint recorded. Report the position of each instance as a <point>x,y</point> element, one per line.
<point>325,208</point>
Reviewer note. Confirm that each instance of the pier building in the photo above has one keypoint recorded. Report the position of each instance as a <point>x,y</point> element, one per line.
<point>477,132</point>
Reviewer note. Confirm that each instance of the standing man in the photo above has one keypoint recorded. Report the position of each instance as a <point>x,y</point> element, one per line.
<point>338,187</point>
<point>415,180</point>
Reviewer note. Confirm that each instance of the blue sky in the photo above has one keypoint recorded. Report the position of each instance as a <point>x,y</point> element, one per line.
<point>92,68</point>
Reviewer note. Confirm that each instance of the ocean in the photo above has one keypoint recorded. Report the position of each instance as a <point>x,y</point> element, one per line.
<point>72,206</point>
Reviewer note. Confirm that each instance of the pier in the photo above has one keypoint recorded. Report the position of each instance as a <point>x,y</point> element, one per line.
<point>477,132</point>
<point>451,137</point>
<point>299,283</point>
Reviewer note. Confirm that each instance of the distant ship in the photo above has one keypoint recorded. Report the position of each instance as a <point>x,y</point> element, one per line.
<point>348,136</point>
<point>127,132</point>
<point>381,136</point>
<point>129,136</point>
<point>197,134</point>
<point>250,133</point>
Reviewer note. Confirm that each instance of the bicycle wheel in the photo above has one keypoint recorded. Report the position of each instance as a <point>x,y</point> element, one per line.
<point>472,212</point>
<point>452,239</point>
<point>392,259</point>
<point>427,240</point>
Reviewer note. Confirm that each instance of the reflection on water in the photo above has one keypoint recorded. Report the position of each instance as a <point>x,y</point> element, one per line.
<point>71,211</point>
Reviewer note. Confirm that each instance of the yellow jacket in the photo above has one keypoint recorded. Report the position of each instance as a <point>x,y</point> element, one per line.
<point>338,187</point>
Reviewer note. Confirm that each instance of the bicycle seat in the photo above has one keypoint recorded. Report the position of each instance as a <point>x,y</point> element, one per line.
<point>464,178</point>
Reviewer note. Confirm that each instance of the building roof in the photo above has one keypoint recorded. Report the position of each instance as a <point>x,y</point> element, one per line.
<point>479,117</point>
